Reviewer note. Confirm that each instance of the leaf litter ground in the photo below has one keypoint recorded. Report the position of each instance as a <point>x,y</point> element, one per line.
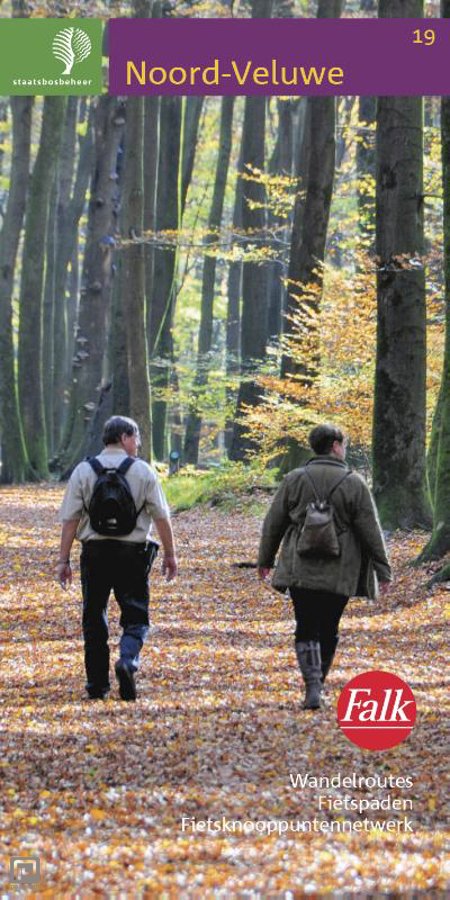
<point>98,790</point>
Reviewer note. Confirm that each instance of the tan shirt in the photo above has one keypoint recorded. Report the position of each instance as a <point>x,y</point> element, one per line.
<point>144,486</point>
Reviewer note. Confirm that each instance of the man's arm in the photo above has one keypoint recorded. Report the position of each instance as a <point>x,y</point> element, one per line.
<point>63,568</point>
<point>169,565</point>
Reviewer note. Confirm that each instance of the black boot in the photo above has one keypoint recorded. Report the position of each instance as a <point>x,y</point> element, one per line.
<point>309,660</point>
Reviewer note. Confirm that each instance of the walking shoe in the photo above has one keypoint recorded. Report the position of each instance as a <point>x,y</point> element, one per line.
<point>125,677</point>
<point>97,693</point>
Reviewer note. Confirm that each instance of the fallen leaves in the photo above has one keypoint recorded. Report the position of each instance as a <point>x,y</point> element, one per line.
<point>100,790</point>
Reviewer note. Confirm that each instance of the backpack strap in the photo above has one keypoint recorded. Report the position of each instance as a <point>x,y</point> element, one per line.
<point>125,464</point>
<point>311,480</point>
<point>123,469</point>
<point>328,496</point>
<point>99,469</point>
<point>338,483</point>
<point>96,465</point>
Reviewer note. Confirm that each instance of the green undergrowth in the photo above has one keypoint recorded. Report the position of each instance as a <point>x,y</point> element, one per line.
<point>231,486</point>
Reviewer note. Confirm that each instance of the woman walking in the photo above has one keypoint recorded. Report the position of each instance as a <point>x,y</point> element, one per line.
<point>333,548</point>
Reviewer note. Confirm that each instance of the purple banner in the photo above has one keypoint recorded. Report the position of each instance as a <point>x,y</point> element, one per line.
<point>280,56</point>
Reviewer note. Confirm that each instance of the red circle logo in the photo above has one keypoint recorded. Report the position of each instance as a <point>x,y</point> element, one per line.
<point>376,710</point>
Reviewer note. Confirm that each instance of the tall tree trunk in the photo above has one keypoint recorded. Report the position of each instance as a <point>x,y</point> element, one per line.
<point>194,421</point>
<point>439,543</point>
<point>132,267</point>
<point>151,152</point>
<point>179,122</point>
<point>400,380</point>
<point>254,278</point>
<point>282,163</point>
<point>163,296</point>
<point>311,223</point>
<point>316,167</point>
<point>254,284</point>
<point>311,217</point>
<point>150,9</point>
<point>117,353</point>
<point>55,302</point>
<point>3,121</point>
<point>308,242</point>
<point>365,164</point>
<point>15,463</point>
<point>71,202</point>
<point>88,361</point>
<point>233,325</point>
<point>31,396</point>
<point>48,318</point>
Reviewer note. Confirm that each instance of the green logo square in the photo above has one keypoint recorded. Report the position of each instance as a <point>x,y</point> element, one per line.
<point>50,56</point>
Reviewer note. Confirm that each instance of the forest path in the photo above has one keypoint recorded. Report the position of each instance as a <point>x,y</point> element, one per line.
<point>98,790</point>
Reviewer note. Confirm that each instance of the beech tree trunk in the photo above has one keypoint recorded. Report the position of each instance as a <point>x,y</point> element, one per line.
<point>151,151</point>
<point>310,227</point>
<point>71,202</point>
<point>163,295</point>
<point>315,167</point>
<point>194,421</point>
<point>15,464</point>
<point>254,282</point>
<point>400,379</point>
<point>365,164</point>
<point>233,325</point>
<point>95,300</point>
<point>48,347</point>
<point>311,217</point>
<point>55,298</point>
<point>3,120</point>
<point>179,122</point>
<point>254,275</point>
<point>282,163</point>
<point>439,477</point>
<point>30,364</point>
<point>132,269</point>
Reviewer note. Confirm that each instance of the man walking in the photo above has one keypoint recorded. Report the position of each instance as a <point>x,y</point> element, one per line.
<point>333,548</point>
<point>109,505</point>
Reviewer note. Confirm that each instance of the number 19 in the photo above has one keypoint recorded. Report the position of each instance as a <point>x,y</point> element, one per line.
<point>426,37</point>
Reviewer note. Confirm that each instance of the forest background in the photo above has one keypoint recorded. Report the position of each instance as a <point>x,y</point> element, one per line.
<point>229,271</point>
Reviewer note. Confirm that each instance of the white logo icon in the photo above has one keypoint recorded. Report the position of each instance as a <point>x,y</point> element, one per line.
<point>71,46</point>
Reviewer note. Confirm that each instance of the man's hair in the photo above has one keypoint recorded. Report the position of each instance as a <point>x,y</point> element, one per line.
<point>116,426</point>
<point>322,438</point>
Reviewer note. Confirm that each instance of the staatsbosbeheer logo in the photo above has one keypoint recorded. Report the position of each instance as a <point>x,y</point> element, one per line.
<point>51,56</point>
<point>71,46</point>
<point>376,710</point>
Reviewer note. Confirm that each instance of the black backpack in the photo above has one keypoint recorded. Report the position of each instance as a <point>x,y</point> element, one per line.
<point>318,536</point>
<point>112,510</point>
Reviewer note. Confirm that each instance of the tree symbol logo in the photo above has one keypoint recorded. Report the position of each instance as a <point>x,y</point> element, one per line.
<point>71,46</point>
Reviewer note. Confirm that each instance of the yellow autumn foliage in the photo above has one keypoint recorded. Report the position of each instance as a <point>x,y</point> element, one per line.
<point>335,340</point>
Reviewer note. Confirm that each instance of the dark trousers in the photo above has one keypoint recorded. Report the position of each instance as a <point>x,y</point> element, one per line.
<point>122,567</point>
<point>317,616</point>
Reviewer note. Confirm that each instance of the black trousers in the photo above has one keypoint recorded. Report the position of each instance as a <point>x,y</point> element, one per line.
<point>317,616</point>
<point>122,567</point>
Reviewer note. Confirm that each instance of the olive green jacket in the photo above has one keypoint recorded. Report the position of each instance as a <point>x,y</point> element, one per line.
<point>363,557</point>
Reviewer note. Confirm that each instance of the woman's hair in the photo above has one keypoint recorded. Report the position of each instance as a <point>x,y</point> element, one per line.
<point>322,438</point>
<point>116,426</point>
